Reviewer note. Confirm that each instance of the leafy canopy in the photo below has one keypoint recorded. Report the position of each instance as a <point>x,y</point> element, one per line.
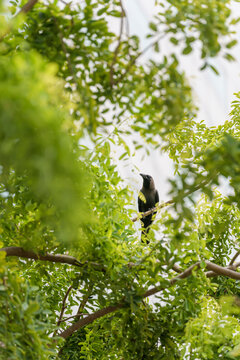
<point>72,264</point>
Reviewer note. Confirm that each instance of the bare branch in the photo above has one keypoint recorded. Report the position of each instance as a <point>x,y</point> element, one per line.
<point>217,270</point>
<point>64,259</point>
<point>63,308</point>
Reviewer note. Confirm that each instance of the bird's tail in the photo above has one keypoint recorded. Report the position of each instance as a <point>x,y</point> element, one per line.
<point>144,237</point>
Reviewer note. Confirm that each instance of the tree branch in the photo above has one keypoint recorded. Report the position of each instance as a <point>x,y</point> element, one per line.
<point>73,316</point>
<point>220,270</point>
<point>64,305</point>
<point>89,319</point>
<point>157,208</point>
<point>110,309</point>
<point>62,309</point>
<point>85,299</point>
<point>64,259</point>
<point>134,59</point>
<point>118,45</point>
<point>234,257</point>
<point>186,273</point>
<point>183,275</point>
<point>27,7</point>
<point>24,10</point>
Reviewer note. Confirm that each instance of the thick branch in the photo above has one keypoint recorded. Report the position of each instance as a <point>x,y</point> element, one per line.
<point>220,270</point>
<point>64,259</point>
<point>89,319</point>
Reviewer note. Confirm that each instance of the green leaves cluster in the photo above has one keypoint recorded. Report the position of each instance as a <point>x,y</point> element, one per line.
<point>42,180</point>
<point>207,23</point>
<point>25,317</point>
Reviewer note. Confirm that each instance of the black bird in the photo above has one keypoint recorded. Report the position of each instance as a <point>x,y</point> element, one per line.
<point>147,199</point>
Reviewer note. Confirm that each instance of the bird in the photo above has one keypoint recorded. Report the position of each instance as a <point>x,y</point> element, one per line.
<point>147,199</point>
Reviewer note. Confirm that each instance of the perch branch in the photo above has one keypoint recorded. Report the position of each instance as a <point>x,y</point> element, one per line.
<point>157,208</point>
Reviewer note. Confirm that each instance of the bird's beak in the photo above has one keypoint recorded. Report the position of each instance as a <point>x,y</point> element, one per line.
<point>142,175</point>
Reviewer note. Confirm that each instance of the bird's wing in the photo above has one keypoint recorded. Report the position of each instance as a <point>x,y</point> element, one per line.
<point>156,197</point>
<point>140,205</point>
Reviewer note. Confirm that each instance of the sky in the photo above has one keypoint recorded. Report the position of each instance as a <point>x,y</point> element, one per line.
<point>212,94</point>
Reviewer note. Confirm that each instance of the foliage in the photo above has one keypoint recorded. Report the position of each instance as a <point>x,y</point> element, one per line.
<point>72,92</point>
<point>25,317</point>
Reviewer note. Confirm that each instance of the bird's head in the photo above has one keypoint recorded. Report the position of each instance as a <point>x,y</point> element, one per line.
<point>148,182</point>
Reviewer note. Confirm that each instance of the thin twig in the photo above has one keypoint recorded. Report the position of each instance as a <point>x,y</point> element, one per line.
<point>64,48</point>
<point>136,57</point>
<point>234,257</point>
<point>63,308</point>
<point>64,305</point>
<point>169,202</point>
<point>85,299</point>
<point>118,46</point>
<point>127,22</point>
<point>73,316</point>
